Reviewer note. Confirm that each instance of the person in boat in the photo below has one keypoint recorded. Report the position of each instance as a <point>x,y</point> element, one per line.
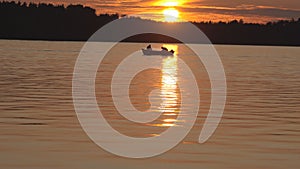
<point>149,47</point>
<point>172,51</point>
<point>164,48</point>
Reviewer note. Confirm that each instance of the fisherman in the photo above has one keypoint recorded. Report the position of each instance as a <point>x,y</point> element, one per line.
<point>149,47</point>
<point>164,48</point>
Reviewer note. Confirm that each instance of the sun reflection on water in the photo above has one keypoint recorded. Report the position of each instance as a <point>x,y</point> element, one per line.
<point>169,95</point>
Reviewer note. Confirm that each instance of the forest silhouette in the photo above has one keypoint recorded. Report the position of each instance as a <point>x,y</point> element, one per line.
<point>77,23</point>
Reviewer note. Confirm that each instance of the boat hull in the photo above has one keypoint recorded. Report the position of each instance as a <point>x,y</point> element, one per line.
<point>157,52</point>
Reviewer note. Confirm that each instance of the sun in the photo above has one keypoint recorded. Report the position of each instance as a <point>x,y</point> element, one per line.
<point>171,15</point>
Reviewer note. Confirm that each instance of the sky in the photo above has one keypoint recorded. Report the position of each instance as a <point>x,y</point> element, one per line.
<point>258,11</point>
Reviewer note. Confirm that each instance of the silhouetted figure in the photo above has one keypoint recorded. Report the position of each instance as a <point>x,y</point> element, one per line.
<point>164,48</point>
<point>172,51</point>
<point>149,47</point>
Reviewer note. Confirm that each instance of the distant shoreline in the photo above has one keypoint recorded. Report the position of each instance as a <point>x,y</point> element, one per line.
<point>48,22</point>
<point>43,40</point>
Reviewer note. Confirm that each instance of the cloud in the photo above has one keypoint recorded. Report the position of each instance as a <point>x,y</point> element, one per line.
<point>289,4</point>
<point>246,10</point>
<point>275,9</point>
<point>231,8</point>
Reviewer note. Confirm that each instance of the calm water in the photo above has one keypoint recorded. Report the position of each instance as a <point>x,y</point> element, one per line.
<point>260,127</point>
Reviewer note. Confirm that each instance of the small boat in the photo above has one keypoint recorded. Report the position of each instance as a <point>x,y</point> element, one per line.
<point>157,52</point>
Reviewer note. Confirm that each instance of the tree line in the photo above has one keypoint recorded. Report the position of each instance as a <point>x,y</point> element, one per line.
<point>43,21</point>
<point>49,22</point>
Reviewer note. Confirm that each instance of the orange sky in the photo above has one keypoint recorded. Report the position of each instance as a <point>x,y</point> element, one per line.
<point>197,10</point>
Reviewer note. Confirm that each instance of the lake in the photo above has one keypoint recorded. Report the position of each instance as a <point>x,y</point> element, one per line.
<point>260,127</point>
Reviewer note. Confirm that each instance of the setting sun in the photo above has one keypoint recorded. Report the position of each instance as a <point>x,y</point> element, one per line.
<point>171,15</point>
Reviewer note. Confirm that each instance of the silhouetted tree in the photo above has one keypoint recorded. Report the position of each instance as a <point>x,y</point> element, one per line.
<point>77,22</point>
<point>49,22</point>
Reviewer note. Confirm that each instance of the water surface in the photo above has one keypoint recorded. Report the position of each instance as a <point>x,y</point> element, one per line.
<point>260,127</point>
